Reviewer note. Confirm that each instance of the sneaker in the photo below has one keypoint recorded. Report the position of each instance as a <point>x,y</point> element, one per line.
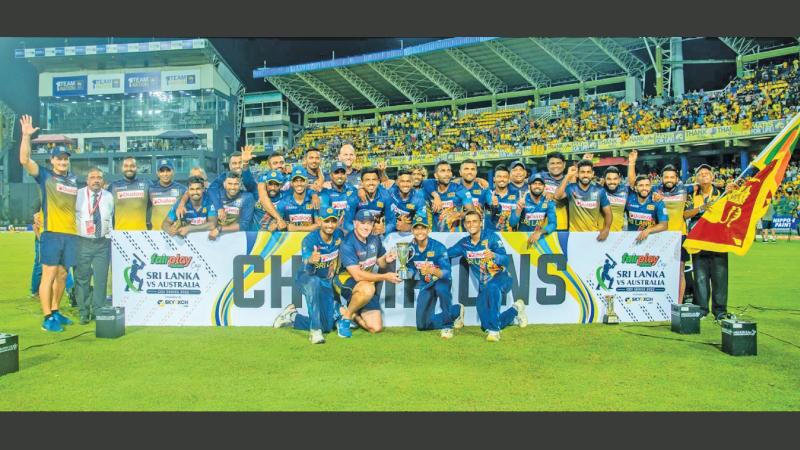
<point>493,336</point>
<point>522,316</point>
<point>62,319</point>
<point>51,324</point>
<point>284,319</point>
<point>446,333</point>
<point>343,328</point>
<point>459,322</point>
<point>316,337</point>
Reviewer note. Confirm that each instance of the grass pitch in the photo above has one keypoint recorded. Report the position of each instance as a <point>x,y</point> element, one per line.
<point>540,368</point>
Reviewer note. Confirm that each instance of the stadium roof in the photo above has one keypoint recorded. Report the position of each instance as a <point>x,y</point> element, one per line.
<point>456,68</point>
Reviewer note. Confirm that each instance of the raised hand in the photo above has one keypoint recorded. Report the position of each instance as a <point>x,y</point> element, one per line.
<point>26,124</point>
<point>572,172</point>
<point>633,155</point>
<point>247,153</point>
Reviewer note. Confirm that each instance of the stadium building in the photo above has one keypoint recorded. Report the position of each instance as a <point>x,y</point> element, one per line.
<point>174,99</point>
<point>267,122</point>
<point>470,86</point>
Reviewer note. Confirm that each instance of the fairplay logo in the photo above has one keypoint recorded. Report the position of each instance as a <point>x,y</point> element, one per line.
<point>646,260</point>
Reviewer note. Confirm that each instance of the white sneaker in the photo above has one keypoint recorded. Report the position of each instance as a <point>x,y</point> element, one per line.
<point>522,316</point>
<point>493,336</point>
<point>284,319</point>
<point>316,337</point>
<point>459,322</point>
<point>447,333</point>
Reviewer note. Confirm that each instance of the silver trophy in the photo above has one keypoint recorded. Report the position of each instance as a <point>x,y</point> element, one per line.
<point>610,317</point>
<point>404,253</point>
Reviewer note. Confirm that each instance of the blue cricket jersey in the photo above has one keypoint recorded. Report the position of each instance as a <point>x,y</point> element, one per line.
<point>435,255</point>
<point>536,215</point>
<point>644,215</point>
<point>484,269</point>
<point>329,254</point>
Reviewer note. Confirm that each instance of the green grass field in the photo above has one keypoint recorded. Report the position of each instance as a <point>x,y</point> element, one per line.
<point>544,367</point>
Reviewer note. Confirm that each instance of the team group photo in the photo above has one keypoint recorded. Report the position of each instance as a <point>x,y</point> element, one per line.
<point>588,222</point>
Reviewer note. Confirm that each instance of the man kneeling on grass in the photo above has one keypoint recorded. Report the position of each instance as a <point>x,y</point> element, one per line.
<point>320,252</point>
<point>488,262</point>
<point>362,254</point>
<point>430,267</point>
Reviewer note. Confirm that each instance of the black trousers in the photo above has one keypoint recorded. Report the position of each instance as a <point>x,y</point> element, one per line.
<point>710,280</point>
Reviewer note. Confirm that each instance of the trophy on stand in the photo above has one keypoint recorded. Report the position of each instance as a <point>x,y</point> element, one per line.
<point>610,317</point>
<point>403,250</point>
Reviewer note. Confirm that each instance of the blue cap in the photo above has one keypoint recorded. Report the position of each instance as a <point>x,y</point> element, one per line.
<point>165,163</point>
<point>59,150</point>
<point>518,163</point>
<point>299,171</point>
<point>534,177</point>
<point>365,215</point>
<point>327,213</point>
<point>338,165</point>
<point>420,219</point>
<point>273,175</point>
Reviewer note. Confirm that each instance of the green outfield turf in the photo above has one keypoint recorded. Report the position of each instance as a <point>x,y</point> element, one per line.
<point>545,367</point>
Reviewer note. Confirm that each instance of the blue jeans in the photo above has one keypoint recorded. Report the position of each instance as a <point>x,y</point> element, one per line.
<point>426,306</point>
<point>319,302</point>
<point>36,275</point>
<point>488,302</point>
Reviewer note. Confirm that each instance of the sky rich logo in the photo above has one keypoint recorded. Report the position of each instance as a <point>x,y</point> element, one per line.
<point>646,260</point>
<point>173,261</point>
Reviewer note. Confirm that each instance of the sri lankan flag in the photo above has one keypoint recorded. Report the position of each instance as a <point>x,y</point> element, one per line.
<point>729,224</point>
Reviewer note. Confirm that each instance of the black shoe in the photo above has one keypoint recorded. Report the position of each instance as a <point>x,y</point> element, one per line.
<point>72,300</point>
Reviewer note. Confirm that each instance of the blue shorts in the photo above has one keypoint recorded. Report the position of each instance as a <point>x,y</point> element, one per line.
<point>58,249</point>
<point>345,290</point>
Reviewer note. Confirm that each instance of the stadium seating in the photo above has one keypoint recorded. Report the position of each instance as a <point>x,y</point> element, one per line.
<point>772,92</point>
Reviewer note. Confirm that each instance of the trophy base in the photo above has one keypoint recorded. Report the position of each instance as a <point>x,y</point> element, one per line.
<point>610,320</point>
<point>405,275</point>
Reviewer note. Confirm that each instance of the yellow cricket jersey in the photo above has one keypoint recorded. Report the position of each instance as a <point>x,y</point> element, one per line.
<point>586,207</point>
<point>59,195</point>
<point>131,199</point>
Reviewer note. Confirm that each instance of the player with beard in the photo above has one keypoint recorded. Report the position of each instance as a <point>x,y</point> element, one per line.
<point>347,156</point>
<point>320,253</point>
<point>534,212</point>
<point>200,215</point>
<point>163,194</point>
<point>477,187</point>
<point>269,186</point>
<point>405,203</point>
<point>448,200</point>
<point>430,267</point>
<point>488,262</point>
<point>500,203</point>
<point>316,178</point>
<point>645,215</point>
<point>589,208</point>
<point>552,180</point>
<point>238,206</point>
<point>362,254</point>
<point>340,192</point>
<point>675,196</point>
<point>131,199</point>
<point>376,201</point>
<point>618,194</point>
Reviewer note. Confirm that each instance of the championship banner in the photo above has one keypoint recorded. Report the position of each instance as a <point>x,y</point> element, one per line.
<point>247,278</point>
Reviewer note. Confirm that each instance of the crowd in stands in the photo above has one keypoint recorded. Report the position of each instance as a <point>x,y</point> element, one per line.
<point>768,93</point>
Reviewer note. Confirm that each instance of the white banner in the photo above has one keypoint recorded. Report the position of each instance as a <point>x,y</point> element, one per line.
<point>180,80</point>
<point>108,83</point>
<point>248,278</point>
